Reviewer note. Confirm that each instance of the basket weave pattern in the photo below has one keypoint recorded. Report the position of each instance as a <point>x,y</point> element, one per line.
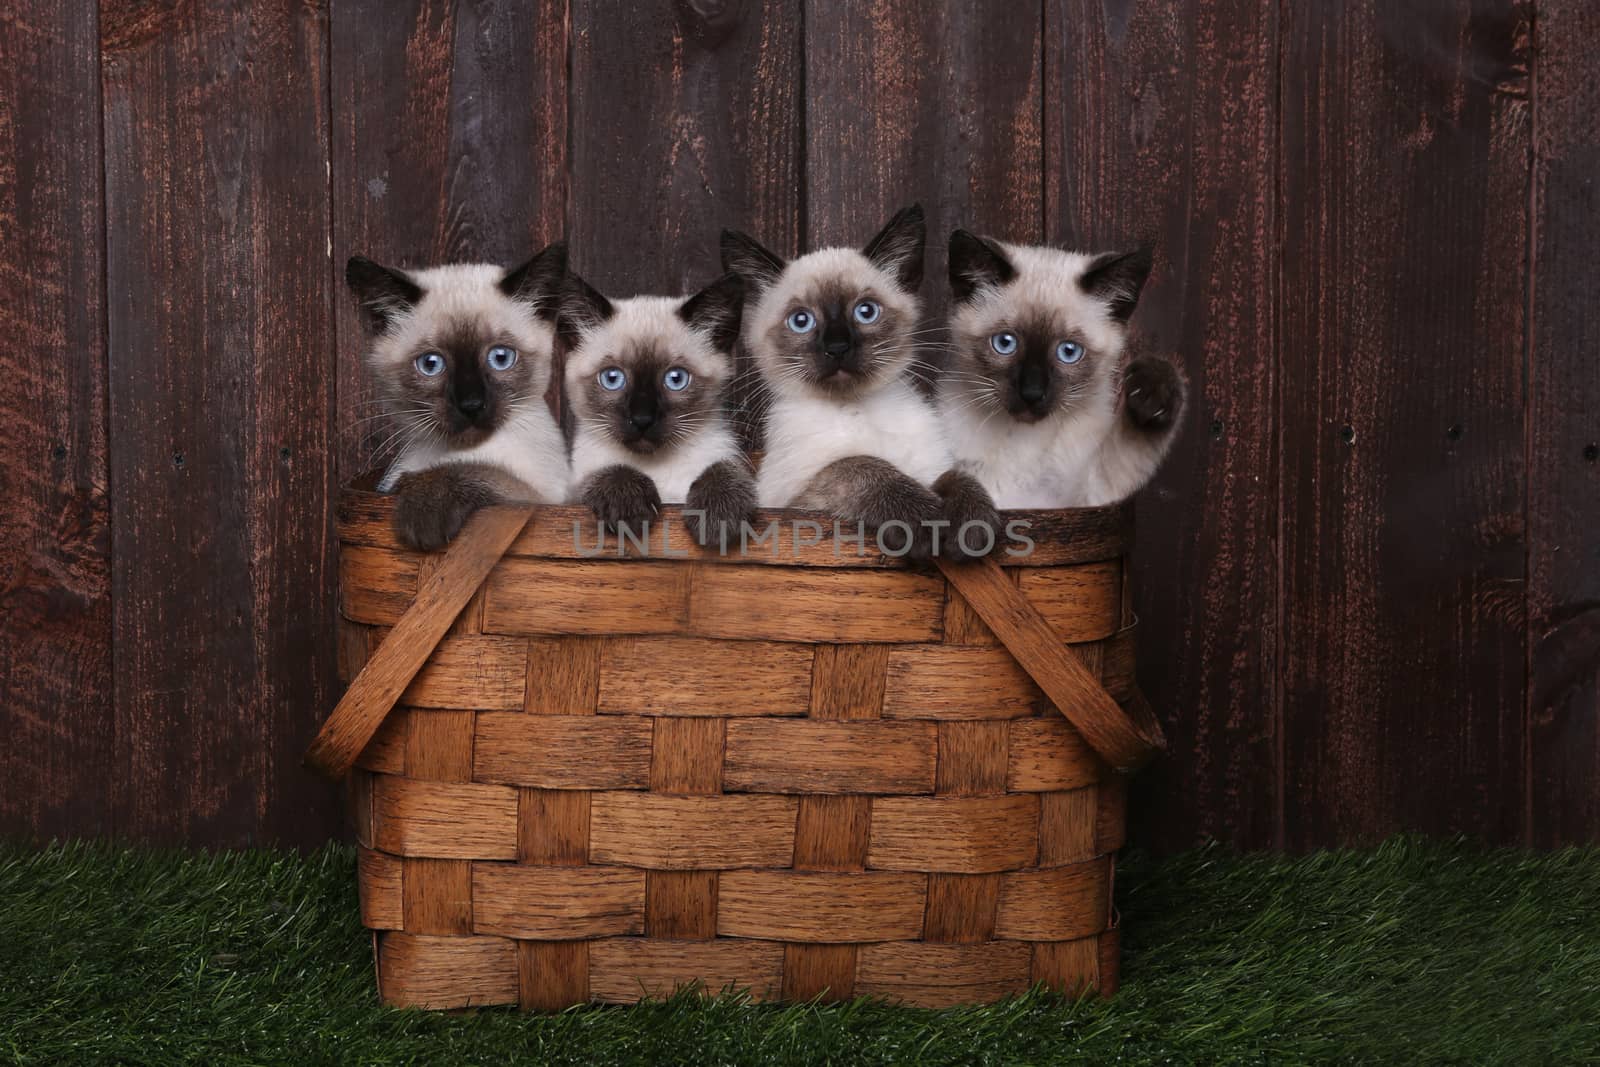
<point>797,775</point>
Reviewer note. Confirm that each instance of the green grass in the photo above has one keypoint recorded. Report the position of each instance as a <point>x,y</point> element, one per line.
<point>1412,952</point>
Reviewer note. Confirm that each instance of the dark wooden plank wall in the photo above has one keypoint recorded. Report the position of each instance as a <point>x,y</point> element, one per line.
<point>1368,579</point>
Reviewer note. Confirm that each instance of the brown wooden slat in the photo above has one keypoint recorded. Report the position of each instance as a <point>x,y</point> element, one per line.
<point>1068,831</point>
<point>811,971</point>
<point>552,975</point>
<point>1082,603</point>
<point>1563,705</point>
<point>56,698</point>
<point>943,976</point>
<point>930,682</point>
<point>553,827</point>
<point>449,144</point>
<point>780,756</point>
<point>1070,967</point>
<point>849,681</point>
<point>695,676</point>
<point>831,833</point>
<point>963,835</point>
<point>376,585</point>
<point>444,820</point>
<point>1047,754</point>
<point>425,971</point>
<point>556,903</point>
<point>1201,179</point>
<point>215,177</point>
<point>686,756</point>
<point>563,675</point>
<point>961,907</point>
<point>1059,904</point>
<point>562,751</point>
<point>378,876</point>
<point>644,830</point>
<point>621,969</point>
<point>437,893</point>
<point>973,758</point>
<point>821,906</point>
<point>370,697</point>
<point>479,672</point>
<point>1404,545</point>
<point>681,904</point>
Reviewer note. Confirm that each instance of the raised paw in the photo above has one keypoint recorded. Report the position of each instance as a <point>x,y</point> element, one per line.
<point>1154,392</point>
<point>725,496</point>
<point>622,496</point>
<point>975,526</point>
<point>912,524</point>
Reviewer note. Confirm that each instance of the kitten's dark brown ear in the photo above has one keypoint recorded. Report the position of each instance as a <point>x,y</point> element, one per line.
<point>716,310</point>
<point>976,263</point>
<point>899,246</point>
<point>583,307</point>
<point>747,257</point>
<point>539,281</point>
<point>384,293</point>
<point>1118,278</point>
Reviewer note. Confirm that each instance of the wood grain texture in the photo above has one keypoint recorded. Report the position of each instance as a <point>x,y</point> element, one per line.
<point>943,976</point>
<point>676,833</point>
<point>217,309</point>
<point>826,971</point>
<point>479,672</point>
<point>553,827</point>
<point>1082,603</point>
<point>1403,536</point>
<point>449,145</point>
<point>378,878</point>
<point>961,907</point>
<point>958,835</point>
<point>552,975</point>
<point>393,665</point>
<point>1069,826</point>
<point>1162,124</point>
<point>621,969</point>
<point>563,676</point>
<point>1059,904</point>
<point>562,751</point>
<point>376,585</point>
<point>821,906</point>
<point>444,820</point>
<point>556,903</point>
<point>437,893</point>
<point>779,756</point>
<point>848,681</point>
<point>1070,967</point>
<point>693,676</point>
<point>681,904</point>
<point>973,757</point>
<point>831,833</point>
<point>1047,754</point>
<point>1563,721</point>
<point>927,682</point>
<point>55,527</point>
<point>686,756</point>
<point>426,971</point>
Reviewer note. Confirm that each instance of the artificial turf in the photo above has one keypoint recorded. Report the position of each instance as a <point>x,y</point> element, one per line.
<point>1413,952</point>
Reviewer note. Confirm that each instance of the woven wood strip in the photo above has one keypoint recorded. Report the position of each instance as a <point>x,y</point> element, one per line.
<point>1067,826</point>
<point>353,648</point>
<point>831,833</point>
<point>444,820</point>
<point>436,893</point>
<point>621,969</point>
<point>1060,537</point>
<point>973,757</point>
<point>696,676</point>
<point>847,681</point>
<point>779,756</point>
<point>386,752</point>
<point>563,675</point>
<point>556,903</point>
<point>477,672</point>
<point>553,827</point>
<point>1121,740</point>
<point>1082,603</point>
<point>683,833</point>
<point>686,756</point>
<point>376,585</point>
<point>552,975</point>
<point>961,907</point>
<point>963,835</point>
<point>1056,904</point>
<point>1069,967</point>
<point>1110,961</point>
<point>962,625</point>
<point>1047,754</point>
<point>943,976</point>
<point>359,797</point>
<point>820,906</point>
<point>563,751</point>
<point>1111,814</point>
<point>682,904</point>
<point>424,971</point>
<point>812,971</point>
<point>393,665</point>
<point>947,682</point>
<point>378,880</point>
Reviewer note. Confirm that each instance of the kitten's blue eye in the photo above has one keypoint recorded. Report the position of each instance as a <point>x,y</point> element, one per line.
<point>1069,351</point>
<point>501,357</point>
<point>430,364</point>
<point>676,379</point>
<point>802,321</point>
<point>867,312</point>
<point>612,379</point>
<point>1004,343</point>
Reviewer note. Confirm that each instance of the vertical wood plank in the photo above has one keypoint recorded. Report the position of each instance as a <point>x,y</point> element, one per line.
<point>686,119</point>
<point>1564,435</point>
<point>937,102</point>
<point>686,758</point>
<point>218,282</point>
<point>1405,189</point>
<point>1161,124</point>
<point>55,537</point>
<point>449,144</point>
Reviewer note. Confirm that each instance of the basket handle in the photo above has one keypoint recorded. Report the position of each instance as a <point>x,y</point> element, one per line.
<point>440,598</point>
<point>1124,740</point>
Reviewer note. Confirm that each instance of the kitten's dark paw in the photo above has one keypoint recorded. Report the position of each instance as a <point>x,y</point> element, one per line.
<point>621,496</point>
<point>1154,392</point>
<point>725,494</point>
<point>429,510</point>
<point>917,516</point>
<point>975,526</point>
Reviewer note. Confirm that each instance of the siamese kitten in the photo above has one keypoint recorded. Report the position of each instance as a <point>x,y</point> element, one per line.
<point>834,337</point>
<point>647,378</point>
<point>461,355</point>
<point>1041,404</point>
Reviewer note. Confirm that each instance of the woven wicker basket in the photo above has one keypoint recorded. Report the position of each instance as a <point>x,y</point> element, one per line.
<point>599,778</point>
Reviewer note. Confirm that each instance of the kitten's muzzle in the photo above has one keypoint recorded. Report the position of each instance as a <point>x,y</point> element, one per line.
<point>642,421</point>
